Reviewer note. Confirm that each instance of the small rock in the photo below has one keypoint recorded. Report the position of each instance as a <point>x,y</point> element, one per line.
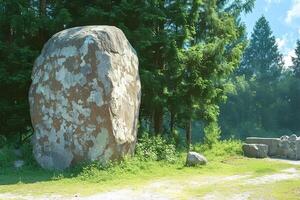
<point>194,158</point>
<point>284,137</point>
<point>255,150</point>
<point>18,164</point>
<point>293,137</point>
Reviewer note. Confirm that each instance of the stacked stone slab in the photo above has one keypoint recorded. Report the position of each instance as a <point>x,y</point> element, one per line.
<point>272,143</point>
<point>85,97</point>
<point>287,147</point>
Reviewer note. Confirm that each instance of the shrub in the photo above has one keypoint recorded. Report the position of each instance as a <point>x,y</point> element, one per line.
<point>27,155</point>
<point>97,172</point>
<point>155,149</point>
<point>212,134</point>
<point>7,157</point>
<point>3,141</point>
<point>220,149</point>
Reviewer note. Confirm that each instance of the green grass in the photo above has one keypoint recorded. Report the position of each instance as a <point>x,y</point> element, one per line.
<point>131,173</point>
<point>287,189</point>
<point>224,160</point>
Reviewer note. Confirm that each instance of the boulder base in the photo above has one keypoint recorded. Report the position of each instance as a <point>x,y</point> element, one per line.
<point>255,150</point>
<point>85,97</point>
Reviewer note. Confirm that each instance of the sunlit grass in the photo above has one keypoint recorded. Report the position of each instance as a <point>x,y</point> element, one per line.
<point>136,172</point>
<point>132,173</point>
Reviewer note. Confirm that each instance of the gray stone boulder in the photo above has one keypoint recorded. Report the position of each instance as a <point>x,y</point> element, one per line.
<point>273,144</point>
<point>289,147</point>
<point>297,145</point>
<point>255,150</point>
<point>194,158</point>
<point>85,97</point>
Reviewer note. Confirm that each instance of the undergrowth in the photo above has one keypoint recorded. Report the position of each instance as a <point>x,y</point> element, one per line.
<point>152,153</point>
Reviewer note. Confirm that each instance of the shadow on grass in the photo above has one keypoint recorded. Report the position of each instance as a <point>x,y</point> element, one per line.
<point>27,175</point>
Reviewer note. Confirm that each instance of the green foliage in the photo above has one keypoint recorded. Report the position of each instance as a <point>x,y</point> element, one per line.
<point>148,158</point>
<point>212,134</point>
<point>262,59</point>
<point>155,149</point>
<point>221,149</point>
<point>7,157</point>
<point>28,156</point>
<point>264,103</point>
<point>25,27</point>
<point>296,61</point>
<point>3,141</point>
<point>187,50</point>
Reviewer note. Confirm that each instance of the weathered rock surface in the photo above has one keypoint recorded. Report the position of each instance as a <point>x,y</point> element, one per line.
<point>273,144</point>
<point>85,97</point>
<point>194,158</point>
<point>255,150</point>
<point>283,147</point>
<point>289,147</point>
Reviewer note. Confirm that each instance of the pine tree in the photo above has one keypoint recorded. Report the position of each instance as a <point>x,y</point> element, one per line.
<point>186,50</point>
<point>262,58</point>
<point>296,61</point>
<point>25,27</point>
<point>214,52</point>
<point>261,72</point>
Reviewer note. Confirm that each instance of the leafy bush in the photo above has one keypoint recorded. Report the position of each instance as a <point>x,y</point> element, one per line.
<point>2,141</point>
<point>97,172</point>
<point>212,134</point>
<point>220,149</point>
<point>155,149</point>
<point>7,157</point>
<point>27,155</point>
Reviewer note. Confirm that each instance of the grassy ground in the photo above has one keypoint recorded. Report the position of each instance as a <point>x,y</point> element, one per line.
<point>89,182</point>
<point>285,189</point>
<point>134,173</point>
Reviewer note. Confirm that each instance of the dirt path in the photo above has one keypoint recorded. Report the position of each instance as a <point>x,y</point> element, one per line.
<point>166,189</point>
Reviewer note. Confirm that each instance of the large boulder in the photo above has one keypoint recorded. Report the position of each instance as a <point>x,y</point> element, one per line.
<point>255,150</point>
<point>289,147</point>
<point>297,148</point>
<point>273,144</point>
<point>194,158</point>
<point>85,97</point>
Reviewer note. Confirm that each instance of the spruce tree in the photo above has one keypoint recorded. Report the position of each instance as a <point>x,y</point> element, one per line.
<point>296,61</point>
<point>260,74</point>
<point>25,27</point>
<point>262,58</point>
<point>214,52</point>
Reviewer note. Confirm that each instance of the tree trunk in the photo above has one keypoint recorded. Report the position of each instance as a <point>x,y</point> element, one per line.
<point>188,132</point>
<point>158,121</point>
<point>42,7</point>
<point>172,121</point>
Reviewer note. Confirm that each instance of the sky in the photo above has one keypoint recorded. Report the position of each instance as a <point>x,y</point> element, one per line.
<point>284,19</point>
